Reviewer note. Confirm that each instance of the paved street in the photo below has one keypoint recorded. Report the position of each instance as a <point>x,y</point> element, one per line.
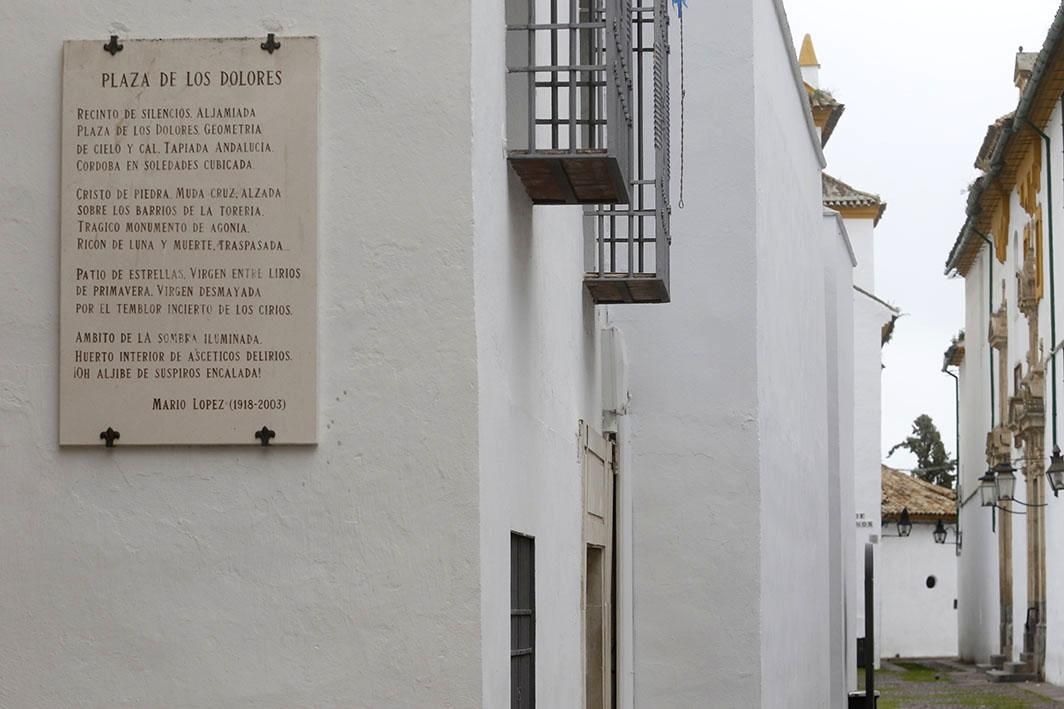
<point>943,684</point>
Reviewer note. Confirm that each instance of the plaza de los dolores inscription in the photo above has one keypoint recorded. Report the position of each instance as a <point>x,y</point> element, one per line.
<point>188,308</point>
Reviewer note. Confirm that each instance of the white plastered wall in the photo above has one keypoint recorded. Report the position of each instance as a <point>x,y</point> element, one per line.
<point>538,368</point>
<point>869,317</point>
<point>693,419</point>
<point>841,544</point>
<point>862,236</point>
<point>918,620</point>
<point>792,382</point>
<point>707,382</point>
<point>978,613</point>
<point>343,574</point>
<point>1055,512</point>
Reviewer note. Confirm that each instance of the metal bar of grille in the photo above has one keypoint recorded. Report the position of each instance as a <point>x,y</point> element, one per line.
<point>557,26</point>
<point>554,75</point>
<point>572,77</point>
<point>531,78</point>
<point>601,246</point>
<point>579,84</point>
<point>554,67</point>
<point>560,121</point>
<point>639,126</point>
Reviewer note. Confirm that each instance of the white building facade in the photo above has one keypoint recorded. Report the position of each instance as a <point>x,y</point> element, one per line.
<point>470,358</point>
<point>1011,588</point>
<point>873,321</point>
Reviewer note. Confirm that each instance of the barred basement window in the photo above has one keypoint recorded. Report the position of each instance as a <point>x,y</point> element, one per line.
<point>522,622</point>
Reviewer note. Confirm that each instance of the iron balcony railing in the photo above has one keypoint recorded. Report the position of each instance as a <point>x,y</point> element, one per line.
<point>628,245</point>
<point>569,93</point>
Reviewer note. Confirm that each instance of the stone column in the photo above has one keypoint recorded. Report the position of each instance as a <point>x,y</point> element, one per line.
<point>999,450</point>
<point>1027,416</point>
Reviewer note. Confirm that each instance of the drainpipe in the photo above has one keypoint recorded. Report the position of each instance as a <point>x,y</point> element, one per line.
<point>990,302</point>
<point>957,420</point>
<point>1052,284</point>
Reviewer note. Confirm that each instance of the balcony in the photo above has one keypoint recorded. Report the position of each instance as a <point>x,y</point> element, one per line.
<point>569,93</point>
<point>628,245</point>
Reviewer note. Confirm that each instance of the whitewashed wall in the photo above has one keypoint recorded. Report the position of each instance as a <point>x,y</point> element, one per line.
<point>918,621</point>
<point>978,613</point>
<point>841,543</point>
<point>1055,510</point>
<point>862,236</point>
<point>729,412</point>
<point>344,574</point>
<point>792,377</point>
<point>694,436</point>
<point>869,316</point>
<point>538,364</point>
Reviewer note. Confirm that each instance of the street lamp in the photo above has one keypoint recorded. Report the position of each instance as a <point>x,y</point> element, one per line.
<point>1006,480</point>
<point>940,532</point>
<point>1055,471</point>
<point>905,527</point>
<point>988,489</point>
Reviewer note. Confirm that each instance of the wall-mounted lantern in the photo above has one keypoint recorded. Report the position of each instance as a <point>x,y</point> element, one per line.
<point>988,489</point>
<point>1055,471</point>
<point>1006,481</point>
<point>905,525</point>
<point>940,532</point>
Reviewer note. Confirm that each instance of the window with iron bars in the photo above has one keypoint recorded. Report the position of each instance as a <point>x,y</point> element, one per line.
<point>569,94</point>
<point>628,244</point>
<point>588,123</point>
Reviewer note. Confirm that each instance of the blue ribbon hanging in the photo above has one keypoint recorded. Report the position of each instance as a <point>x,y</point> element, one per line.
<point>680,5</point>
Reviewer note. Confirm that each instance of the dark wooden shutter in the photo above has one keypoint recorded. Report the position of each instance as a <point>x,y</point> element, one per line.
<point>522,622</point>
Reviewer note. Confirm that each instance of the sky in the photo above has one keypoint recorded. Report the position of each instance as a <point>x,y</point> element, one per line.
<point>921,80</point>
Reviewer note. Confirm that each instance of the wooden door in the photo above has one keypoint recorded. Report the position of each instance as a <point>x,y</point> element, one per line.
<point>598,476</point>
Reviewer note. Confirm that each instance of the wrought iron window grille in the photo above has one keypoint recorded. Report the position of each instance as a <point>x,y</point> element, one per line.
<point>570,78</point>
<point>628,259</point>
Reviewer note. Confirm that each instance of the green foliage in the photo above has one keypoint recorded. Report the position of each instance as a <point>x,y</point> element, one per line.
<point>915,672</point>
<point>932,461</point>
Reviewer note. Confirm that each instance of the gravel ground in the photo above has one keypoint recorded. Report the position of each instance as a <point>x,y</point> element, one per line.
<point>945,684</point>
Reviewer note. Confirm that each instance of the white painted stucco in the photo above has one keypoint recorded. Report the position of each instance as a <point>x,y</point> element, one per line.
<point>346,573</point>
<point>977,598</point>
<point>538,365</point>
<point>918,621</point>
<point>841,543</point>
<point>729,420</point>
<point>869,316</point>
<point>457,353</point>
<point>978,593</point>
<point>793,414</point>
<point>862,236</point>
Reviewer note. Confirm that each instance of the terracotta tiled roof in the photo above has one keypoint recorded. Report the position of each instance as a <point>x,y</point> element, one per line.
<point>838,194</point>
<point>826,111</point>
<point>926,502</point>
<point>1038,100</point>
<point>990,140</point>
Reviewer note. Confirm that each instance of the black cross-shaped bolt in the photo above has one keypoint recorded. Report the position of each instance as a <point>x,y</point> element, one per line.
<point>269,45</point>
<point>264,435</point>
<point>110,436</point>
<point>113,46</point>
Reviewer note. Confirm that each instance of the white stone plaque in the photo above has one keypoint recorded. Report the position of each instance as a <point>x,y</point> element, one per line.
<point>188,308</point>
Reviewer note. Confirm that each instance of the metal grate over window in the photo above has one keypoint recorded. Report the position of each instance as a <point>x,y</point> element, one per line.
<point>522,622</point>
<point>629,259</point>
<point>569,91</point>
